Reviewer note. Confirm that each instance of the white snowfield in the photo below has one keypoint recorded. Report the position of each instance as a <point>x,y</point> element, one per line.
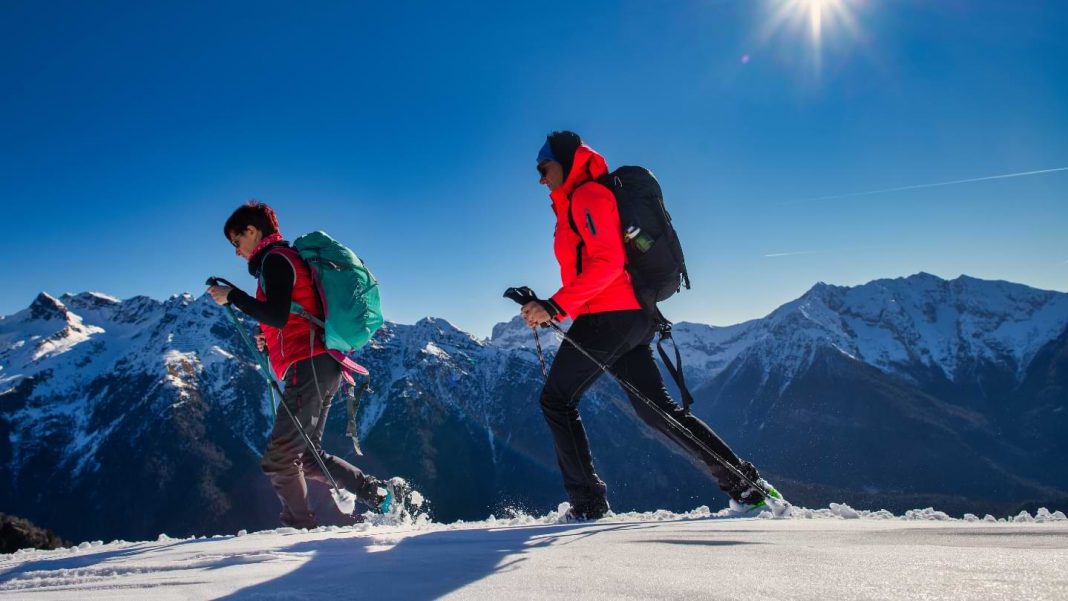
<point>835,553</point>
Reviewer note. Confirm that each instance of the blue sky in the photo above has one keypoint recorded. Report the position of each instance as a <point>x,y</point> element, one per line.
<point>129,132</point>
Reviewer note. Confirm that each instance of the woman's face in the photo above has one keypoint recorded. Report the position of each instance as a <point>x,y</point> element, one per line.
<point>246,241</point>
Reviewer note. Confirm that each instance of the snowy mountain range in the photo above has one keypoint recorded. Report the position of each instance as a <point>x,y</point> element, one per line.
<point>125,418</point>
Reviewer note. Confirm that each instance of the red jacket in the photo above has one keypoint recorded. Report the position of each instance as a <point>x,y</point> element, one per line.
<point>591,261</point>
<point>294,342</point>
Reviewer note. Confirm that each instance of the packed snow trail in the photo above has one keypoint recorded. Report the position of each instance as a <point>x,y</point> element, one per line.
<point>835,553</point>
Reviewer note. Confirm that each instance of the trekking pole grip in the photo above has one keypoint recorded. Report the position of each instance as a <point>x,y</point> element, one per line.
<point>521,295</point>
<point>217,281</point>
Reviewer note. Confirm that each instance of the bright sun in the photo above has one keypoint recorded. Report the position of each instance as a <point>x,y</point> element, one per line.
<point>816,18</point>
<point>815,10</point>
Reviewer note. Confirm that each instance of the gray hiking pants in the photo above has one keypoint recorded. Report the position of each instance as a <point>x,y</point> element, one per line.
<point>310,387</point>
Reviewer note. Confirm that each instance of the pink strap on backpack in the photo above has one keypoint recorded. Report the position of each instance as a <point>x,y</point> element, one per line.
<point>348,366</point>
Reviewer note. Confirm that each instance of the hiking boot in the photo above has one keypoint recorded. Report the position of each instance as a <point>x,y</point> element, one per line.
<point>291,520</point>
<point>587,510</point>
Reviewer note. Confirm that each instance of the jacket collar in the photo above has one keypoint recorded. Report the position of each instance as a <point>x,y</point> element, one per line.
<point>255,263</point>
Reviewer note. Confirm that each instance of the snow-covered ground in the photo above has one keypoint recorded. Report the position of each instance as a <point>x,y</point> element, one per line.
<point>835,553</point>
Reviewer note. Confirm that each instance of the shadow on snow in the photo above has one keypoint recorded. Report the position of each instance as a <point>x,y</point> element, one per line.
<point>422,566</point>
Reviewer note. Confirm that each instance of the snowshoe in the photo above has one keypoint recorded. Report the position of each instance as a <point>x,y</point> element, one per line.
<point>394,497</point>
<point>753,501</point>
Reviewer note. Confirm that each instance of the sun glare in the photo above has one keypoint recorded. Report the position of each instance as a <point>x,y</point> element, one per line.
<point>813,19</point>
<point>815,9</point>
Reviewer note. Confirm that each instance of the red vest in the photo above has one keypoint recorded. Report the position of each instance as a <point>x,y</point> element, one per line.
<point>299,339</point>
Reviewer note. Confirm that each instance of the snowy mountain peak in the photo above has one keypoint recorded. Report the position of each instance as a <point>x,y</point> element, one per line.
<point>44,329</point>
<point>85,300</point>
<point>516,334</point>
<point>920,319</point>
<point>184,300</point>
<point>137,310</point>
<point>923,276</point>
<point>443,332</point>
<point>47,308</point>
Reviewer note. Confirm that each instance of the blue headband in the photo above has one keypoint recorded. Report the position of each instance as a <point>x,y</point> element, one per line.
<point>546,153</point>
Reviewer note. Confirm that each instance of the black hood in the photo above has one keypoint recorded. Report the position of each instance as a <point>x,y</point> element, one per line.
<point>564,144</point>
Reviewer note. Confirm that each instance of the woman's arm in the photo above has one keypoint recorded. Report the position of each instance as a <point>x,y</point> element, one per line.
<point>278,278</point>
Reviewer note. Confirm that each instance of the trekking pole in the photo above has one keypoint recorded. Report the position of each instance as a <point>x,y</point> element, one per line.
<point>260,360</point>
<point>541,354</point>
<point>345,500</point>
<point>525,295</point>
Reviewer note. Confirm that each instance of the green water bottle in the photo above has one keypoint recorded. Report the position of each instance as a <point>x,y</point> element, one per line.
<point>638,239</point>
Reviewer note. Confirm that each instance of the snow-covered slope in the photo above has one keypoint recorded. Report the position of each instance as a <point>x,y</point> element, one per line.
<point>835,553</point>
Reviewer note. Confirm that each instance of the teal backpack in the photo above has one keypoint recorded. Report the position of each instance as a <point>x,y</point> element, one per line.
<point>349,292</point>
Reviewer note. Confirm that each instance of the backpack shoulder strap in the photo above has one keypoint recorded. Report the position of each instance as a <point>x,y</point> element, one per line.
<point>292,255</point>
<point>664,326</point>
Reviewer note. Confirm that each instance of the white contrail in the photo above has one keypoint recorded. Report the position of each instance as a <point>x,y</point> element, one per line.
<point>936,185</point>
<point>802,252</point>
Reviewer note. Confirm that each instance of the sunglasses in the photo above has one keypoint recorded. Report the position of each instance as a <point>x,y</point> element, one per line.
<point>543,168</point>
<point>236,241</point>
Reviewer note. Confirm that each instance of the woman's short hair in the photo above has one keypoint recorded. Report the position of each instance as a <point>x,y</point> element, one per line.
<point>256,214</point>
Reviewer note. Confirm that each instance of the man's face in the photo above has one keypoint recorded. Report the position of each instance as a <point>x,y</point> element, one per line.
<point>552,174</point>
<point>245,242</point>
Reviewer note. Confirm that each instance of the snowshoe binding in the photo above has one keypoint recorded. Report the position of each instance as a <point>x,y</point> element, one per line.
<point>753,501</point>
<point>396,499</point>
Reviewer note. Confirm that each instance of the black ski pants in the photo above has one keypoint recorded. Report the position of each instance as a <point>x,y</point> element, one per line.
<point>310,387</point>
<point>620,340</point>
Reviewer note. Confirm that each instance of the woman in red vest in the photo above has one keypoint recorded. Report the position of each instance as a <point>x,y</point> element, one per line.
<point>295,348</point>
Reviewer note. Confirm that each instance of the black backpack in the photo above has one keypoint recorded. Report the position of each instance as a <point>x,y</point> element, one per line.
<point>654,254</point>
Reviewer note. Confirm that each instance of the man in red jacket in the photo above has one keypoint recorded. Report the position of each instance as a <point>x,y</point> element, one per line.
<point>610,324</point>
